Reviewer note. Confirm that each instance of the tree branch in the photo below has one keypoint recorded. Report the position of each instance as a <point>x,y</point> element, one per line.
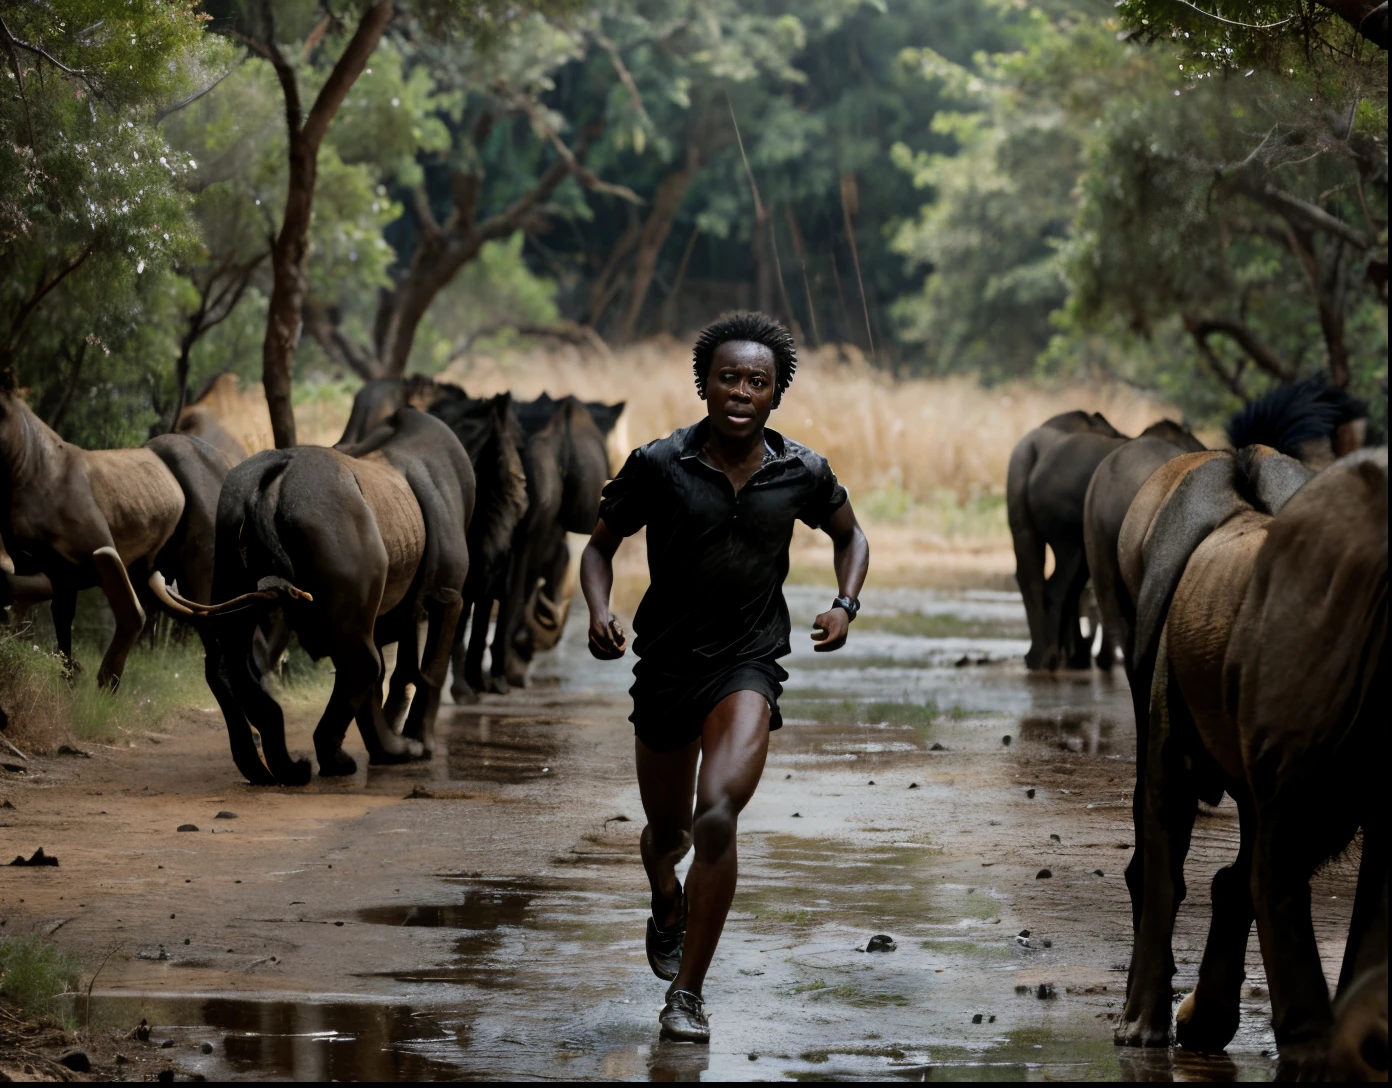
<point>581,172</point>
<point>322,323</point>
<point>1309,214</point>
<point>621,70</point>
<point>1266,359</point>
<point>345,73</point>
<point>420,208</point>
<point>161,114</point>
<point>1214,363</point>
<point>39,293</point>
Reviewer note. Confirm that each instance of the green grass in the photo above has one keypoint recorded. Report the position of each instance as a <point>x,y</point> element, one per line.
<point>158,680</point>
<point>37,978</point>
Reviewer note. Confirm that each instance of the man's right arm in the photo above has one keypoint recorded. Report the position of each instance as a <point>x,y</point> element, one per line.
<point>607,641</point>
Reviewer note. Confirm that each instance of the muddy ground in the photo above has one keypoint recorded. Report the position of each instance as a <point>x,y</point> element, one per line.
<point>482,915</point>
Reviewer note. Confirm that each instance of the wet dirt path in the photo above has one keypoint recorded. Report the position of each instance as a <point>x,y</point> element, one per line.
<point>482,916</point>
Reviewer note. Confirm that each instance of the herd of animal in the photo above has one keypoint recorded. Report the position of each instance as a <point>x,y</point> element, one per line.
<point>432,507</point>
<point>1246,589</point>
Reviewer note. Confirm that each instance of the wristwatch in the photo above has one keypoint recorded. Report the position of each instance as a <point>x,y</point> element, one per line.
<point>850,604</point>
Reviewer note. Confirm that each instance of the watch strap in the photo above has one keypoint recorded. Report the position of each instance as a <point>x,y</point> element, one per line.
<point>850,604</point>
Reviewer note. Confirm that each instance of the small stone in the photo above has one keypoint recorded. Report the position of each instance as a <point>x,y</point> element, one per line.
<point>76,1060</point>
<point>1044,991</point>
<point>187,827</point>
<point>871,782</point>
<point>69,750</point>
<point>165,1076</point>
<point>1098,872</point>
<point>880,942</point>
<point>206,1048</point>
<point>1055,838</point>
<point>142,1031</point>
<point>992,1020</point>
<point>976,1019</point>
<point>1006,740</point>
<point>186,940</point>
<point>1030,792</point>
<point>962,662</point>
<point>1022,990</point>
<point>168,1044</point>
<point>121,1059</point>
<point>936,747</point>
<point>338,923</point>
<point>1048,943</point>
<point>1024,933</point>
<point>171,916</point>
<point>753,1057</point>
<point>913,785</point>
<point>797,815</point>
<point>1043,874</point>
<point>225,814</point>
<point>786,777</point>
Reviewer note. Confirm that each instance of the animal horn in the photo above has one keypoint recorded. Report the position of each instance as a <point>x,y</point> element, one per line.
<point>544,619</point>
<point>182,606</point>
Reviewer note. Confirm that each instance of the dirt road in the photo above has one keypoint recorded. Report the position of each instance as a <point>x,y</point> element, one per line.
<point>482,915</point>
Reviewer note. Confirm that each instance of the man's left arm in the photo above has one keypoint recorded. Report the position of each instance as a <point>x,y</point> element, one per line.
<point>852,561</point>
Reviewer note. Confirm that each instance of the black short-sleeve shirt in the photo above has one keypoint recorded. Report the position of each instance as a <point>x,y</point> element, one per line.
<point>716,560</point>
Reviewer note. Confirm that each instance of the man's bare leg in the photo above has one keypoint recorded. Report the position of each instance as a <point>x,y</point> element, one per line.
<point>734,745</point>
<point>667,783</point>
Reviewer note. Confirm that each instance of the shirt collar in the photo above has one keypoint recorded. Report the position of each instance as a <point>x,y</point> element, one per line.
<point>697,436</point>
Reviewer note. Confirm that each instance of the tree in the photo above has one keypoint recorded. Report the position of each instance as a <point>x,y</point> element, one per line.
<point>86,184</point>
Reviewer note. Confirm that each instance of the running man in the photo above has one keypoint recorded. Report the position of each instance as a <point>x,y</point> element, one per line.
<point>719,500</point>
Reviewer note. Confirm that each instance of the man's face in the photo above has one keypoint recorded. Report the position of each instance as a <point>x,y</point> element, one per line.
<point>739,388</point>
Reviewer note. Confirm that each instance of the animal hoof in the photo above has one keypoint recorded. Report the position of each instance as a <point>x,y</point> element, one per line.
<point>335,765</point>
<point>1138,1033</point>
<point>463,695</point>
<point>498,685</point>
<point>1203,1026</point>
<point>404,752</point>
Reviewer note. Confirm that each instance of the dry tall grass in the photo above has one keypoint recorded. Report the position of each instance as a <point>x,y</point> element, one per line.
<point>921,437</point>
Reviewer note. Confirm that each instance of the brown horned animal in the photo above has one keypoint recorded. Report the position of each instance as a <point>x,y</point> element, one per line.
<point>1261,639</point>
<point>74,518</point>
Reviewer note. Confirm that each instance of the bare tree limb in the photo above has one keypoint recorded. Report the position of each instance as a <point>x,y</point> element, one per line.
<point>581,172</point>
<point>161,114</point>
<point>1266,359</point>
<point>621,70</point>
<point>1214,363</point>
<point>420,208</point>
<point>1290,206</point>
<point>345,73</point>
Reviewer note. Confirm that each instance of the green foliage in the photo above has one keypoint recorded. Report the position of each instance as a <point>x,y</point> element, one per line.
<point>38,978</point>
<point>483,306</point>
<point>92,208</point>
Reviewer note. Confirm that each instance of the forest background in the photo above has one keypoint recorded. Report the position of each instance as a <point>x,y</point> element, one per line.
<point>1189,200</point>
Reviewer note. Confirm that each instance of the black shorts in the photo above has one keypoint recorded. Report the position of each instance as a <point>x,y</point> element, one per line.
<point>669,711</point>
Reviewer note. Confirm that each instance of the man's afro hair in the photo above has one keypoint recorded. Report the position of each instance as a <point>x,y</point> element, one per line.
<point>757,328</point>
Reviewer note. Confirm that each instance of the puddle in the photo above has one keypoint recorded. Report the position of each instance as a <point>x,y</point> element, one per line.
<point>503,748</point>
<point>290,1040</point>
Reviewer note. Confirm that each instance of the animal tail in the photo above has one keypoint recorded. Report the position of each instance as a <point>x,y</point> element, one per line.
<point>268,590</point>
<point>259,517</point>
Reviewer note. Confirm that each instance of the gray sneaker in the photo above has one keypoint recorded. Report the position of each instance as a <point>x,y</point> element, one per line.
<point>683,1018</point>
<point>665,945</point>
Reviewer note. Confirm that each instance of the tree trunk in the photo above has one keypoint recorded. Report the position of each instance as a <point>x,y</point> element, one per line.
<point>652,237</point>
<point>435,262</point>
<point>292,244</point>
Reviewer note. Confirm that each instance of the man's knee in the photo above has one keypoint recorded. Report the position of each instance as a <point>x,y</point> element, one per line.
<point>713,830</point>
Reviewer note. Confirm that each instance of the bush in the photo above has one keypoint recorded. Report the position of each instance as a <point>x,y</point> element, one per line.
<point>38,978</point>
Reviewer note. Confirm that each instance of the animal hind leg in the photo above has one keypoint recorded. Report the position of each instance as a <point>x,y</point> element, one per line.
<point>383,746</point>
<point>442,610</point>
<point>1367,939</point>
<point>64,608</point>
<point>265,715</point>
<point>1283,861</point>
<point>125,606</point>
<point>1207,1019</point>
<point>1170,804</point>
<point>357,667</point>
<point>478,641</point>
<point>244,753</point>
